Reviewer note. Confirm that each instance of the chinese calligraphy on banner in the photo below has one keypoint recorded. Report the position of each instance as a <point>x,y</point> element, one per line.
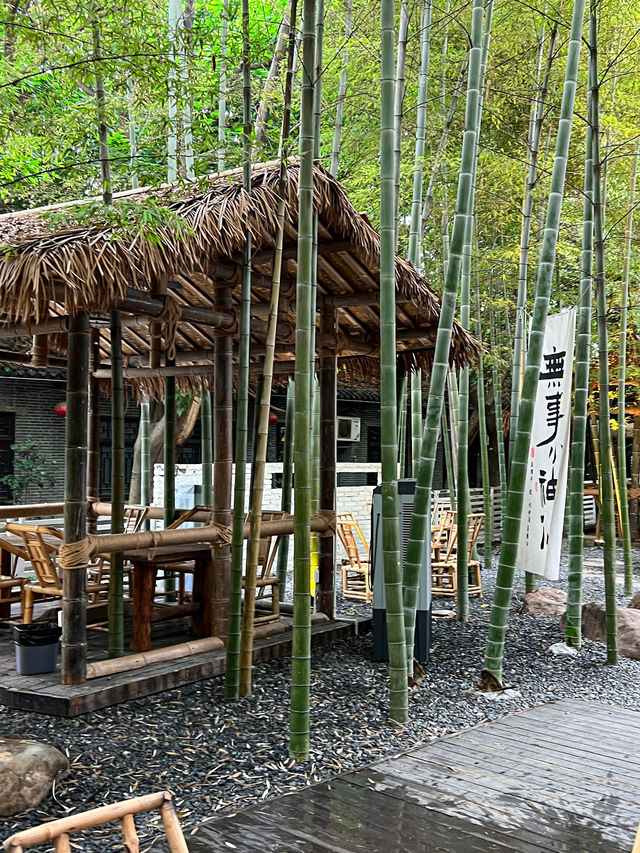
<point>546,487</point>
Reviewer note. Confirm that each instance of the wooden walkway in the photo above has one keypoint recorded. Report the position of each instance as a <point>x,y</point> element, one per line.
<point>561,777</point>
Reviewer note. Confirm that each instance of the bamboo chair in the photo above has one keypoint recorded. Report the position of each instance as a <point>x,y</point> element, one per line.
<point>266,558</point>
<point>10,585</point>
<point>134,517</point>
<point>444,570</point>
<point>441,532</point>
<point>42,556</point>
<point>59,831</point>
<point>356,569</point>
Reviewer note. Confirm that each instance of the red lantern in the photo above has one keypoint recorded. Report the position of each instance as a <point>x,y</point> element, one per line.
<point>61,410</point>
<point>273,419</point>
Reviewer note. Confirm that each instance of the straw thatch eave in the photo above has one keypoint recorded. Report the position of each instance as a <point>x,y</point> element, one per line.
<point>47,272</point>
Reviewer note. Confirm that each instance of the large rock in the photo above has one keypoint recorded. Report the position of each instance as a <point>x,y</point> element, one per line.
<point>545,601</point>
<point>594,627</point>
<point>27,771</point>
<point>635,601</point>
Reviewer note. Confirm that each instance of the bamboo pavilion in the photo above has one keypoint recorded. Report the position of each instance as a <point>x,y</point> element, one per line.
<point>175,290</point>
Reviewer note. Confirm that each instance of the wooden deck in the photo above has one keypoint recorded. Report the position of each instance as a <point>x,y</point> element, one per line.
<point>46,695</point>
<point>561,777</point>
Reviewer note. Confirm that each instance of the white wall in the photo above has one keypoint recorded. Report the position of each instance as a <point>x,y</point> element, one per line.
<point>351,499</point>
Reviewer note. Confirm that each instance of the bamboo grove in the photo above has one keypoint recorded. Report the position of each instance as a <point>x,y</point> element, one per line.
<point>494,146</point>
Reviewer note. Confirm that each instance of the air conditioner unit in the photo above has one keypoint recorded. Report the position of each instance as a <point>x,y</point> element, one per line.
<point>348,429</point>
<point>406,490</point>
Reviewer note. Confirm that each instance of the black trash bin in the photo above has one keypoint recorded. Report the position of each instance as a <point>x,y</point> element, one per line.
<point>36,647</point>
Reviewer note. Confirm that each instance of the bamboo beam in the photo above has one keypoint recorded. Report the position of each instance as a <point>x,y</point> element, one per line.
<point>142,659</point>
<point>9,357</point>
<point>222,471</point>
<point>170,371</point>
<point>328,416</point>
<point>74,598</point>
<point>323,524</point>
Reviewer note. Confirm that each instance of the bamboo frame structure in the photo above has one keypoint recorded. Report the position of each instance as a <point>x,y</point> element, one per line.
<point>60,830</point>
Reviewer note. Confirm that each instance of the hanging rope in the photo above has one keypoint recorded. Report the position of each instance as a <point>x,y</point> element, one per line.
<point>170,316</point>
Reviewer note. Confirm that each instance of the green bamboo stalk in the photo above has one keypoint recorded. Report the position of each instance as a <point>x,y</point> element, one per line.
<point>206,449</point>
<point>518,473</point>
<point>497,408</point>
<point>287,480</point>
<point>573,632</point>
<point>342,93</point>
<point>416,419</point>
<point>301,633</point>
<point>418,527</point>
<point>622,378</point>
<point>635,478</point>
<point>452,470</point>
<point>447,430</point>
<point>402,425</point>
<point>484,442</point>
<point>398,697</point>
<point>233,674</point>
<point>463,496</point>
<point>533,145</point>
<point>604,423</point>
<point>116,605</point>
<point>222,86</point>
<point>421,130</point>
<point>398,99</point>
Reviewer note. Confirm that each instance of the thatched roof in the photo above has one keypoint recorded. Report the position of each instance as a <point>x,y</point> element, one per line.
<point>51,271</point>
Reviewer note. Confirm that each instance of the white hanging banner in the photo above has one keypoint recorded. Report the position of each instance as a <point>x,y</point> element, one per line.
<point>548,469</point>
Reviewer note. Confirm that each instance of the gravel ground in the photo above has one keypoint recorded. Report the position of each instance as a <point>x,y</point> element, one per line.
<point>217,758</point>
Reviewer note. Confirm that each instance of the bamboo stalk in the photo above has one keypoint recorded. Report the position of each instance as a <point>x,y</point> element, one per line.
<point>635,476</point>
<point>146,474</point>
<point>116,604</point>
<point>484,443</point>
<point>301,639</point>
<point>389,170</point>
<point>622,377</point>
<point>402,423</point>
<point>342,93</point>
<point>416,419</point>
<point>325,594</point>
<point>74,598</point>
<point>604,427</point>
<point>573,631</point>
<point>93,434</point>
<point>519,465</point>
<point>287,481</point>
<point>237,676</point>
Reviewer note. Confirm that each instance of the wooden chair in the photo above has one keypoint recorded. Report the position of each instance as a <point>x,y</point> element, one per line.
<point>356,568</point>
<point>59,831</point>
<point>265,579</point>
<point>42,553</point>
<point>441,532</point>
<point>444,570</point>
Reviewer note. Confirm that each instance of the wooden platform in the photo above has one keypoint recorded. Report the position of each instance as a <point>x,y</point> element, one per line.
<point>46,695</point>
<point>561,777</point>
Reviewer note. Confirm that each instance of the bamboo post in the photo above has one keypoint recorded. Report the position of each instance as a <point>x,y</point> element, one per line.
<point>328,366</point>
<point>635,478</point>
<point>207,446</point>
<point>169,461</point>
<point>146,488</point>
<point>74,601</point>
<point>222,470</point>
<point>93,431</point>
<point>116,607</point>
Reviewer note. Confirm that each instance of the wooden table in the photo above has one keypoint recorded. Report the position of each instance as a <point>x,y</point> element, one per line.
<point>146,562</point>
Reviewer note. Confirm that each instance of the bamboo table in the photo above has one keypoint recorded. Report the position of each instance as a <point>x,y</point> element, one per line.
<point>146,563</point>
